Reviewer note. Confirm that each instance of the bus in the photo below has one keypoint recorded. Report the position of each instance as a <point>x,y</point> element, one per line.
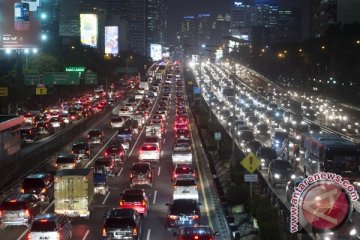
<point>327,152</point>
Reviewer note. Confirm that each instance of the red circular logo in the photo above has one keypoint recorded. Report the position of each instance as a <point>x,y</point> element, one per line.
<point>325,205</point>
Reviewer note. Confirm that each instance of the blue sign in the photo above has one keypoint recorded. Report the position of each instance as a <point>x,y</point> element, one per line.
<point>196,90</point>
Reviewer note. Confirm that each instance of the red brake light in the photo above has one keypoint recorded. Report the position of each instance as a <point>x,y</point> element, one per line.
<point>143,202</point>
<point>13,201</point>
<point>121,203</point>
<point>195,217</point>
<point>106,154</point>
<point>22,190</point>
<point>134,232</point>
<point>43,220</point>
<point>172,217</point>
<point>104,232</point>
<point>196,237</point>
<point>27,213</point>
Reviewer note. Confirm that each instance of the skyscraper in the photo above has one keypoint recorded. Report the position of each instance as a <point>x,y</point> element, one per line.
<point>188,33</point>
<point>204,25</point>
<point>156,22</point>
<point>69,18</point>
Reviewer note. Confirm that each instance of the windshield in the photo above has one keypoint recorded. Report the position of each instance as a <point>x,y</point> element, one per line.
<point>185,182</point>
<point>123,223</point>
<point>12,206</point>
<point>39,226</point>
<point>65,160</point>
<point>33,183</point>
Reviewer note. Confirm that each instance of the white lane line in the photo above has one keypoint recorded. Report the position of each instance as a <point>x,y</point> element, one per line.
<point>159,171</point>
<point>23,234</point>
<point>120,171</point>
<point>164,141</point>
<point>106,197</point>
<point>162,153</point>
<point>154,199</point>
<point>148,234</point>
<point>86,234</point>
<point>47,208</point>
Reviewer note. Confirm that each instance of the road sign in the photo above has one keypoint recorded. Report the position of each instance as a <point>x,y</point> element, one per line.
<point>217,136</point>
<point>196,90</point>
<point>91,79</point>
<point>4,91</point>
<point>250,177</point>
<point>31,79</point>
<point>75,69</point>
<point>41,91</point>
<point>61,78</point>
<point>250,163</point>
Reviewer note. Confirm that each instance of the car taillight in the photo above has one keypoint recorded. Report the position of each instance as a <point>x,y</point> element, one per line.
<point>58,236</point>
<point>0,214</point>
<point>106,154</point>
<point>134,232</point>
<point>104,232</point>
<point>174,187</point>
<point>22,190</point>
<point>149,175</point>
<point>195,217</point>
<point>143,202</point>
<point>43,190</point>
<point>196,186</point>
<point>172,217</point>
<point>26,213</point>
<point>121,203</point>
<point>196,237</point>
<point>175,175</point>
<point>29,236</point>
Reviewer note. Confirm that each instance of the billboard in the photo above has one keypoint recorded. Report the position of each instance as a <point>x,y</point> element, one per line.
<point>233,44</point>
<point>156,52</point>
<point>20,25</point>
<point>219,54</point>
<point>89,29</point>
<point>111,40</point>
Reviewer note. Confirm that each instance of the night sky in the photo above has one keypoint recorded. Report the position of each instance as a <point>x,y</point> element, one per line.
<point>179,8</point>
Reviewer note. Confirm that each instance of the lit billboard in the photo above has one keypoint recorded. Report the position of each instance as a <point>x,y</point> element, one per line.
<point>19,24</point>
<point>156,52</point>
<point>219,54</point>
<point>233,44</point>
<point>89,29</point>
<point>111,40</point>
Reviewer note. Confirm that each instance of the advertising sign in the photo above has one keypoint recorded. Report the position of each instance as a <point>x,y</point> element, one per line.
<point>233,44</point>
<point>219,54</point>
<point>156,52</point>
<point>89,29</point>
<point>19,24</point>
<point>111,40</point>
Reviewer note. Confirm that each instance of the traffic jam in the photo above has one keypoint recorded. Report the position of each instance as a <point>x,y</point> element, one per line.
<point>277,128</point>
<point>132,175</point>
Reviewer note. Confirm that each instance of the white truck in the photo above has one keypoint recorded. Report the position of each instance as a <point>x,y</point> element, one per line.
<point>159,76</point>
<point>144,85</point>
<point>181,153</point>
<point>74,192</point>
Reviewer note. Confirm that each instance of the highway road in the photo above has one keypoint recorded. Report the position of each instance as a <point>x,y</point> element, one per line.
<point>160,192</point>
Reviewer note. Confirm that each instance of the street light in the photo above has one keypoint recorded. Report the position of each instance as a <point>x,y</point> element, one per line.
<point>43,37</point>
<point>8,51</point>
<point>43,16</point>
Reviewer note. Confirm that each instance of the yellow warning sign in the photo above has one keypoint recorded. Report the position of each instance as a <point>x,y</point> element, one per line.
<point>250,163</point>
<point>41,91</point>
<point>3,91</point>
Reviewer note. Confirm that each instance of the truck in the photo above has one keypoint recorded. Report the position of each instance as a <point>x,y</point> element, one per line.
<point>181,153</point>
<point>159,76</point>
<point>144,85</point>
<point>74,192</point>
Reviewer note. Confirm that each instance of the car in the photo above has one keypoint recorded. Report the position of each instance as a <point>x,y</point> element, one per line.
<point>125,133</point>
<point>29,118</point>
<point>280,172</point>
<point>186,188</point>
<point>252,146</point>
<point>180,125</point>
<point>57,122</point>
<point>245,136</point>
<point>136,199</point>
<point>66,161</point>
<point>291,185</point>
<point>141,174</point>
<point>277,138</point>
<point>81,149</point>
<point>122,224</point>
<point>266,155</point>
<point>116,151</point>
<point>149,152</point>
<point>182,133</point>
<point>19,210</point>
<point>96,136</point>
<point>261,129</point>
<point>133,124</point>
<point>152,140</point>
<point>182,170</point>
<point>124,143</point>
<point>182,212</point>
<point>29,134</point>
<point>200,232</point>
<point>181,153</point>
<point>41,185</point>
<point>117,122</point>
<point>66,118</point>
<point>162,113</point>
<point>109,163</point>
<point>125,112</point>
<point>50,226</point>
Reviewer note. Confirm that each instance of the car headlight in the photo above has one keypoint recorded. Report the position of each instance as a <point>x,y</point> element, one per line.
<point>353,232</point>
<point>293,176</point>
<point>248,150</point>
<point>262,160</point>
<point>277,176</point>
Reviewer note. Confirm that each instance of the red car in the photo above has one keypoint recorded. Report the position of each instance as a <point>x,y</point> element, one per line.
<point>136,199</point>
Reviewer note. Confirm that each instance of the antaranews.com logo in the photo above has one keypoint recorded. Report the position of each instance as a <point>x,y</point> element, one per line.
<point>323,201</point>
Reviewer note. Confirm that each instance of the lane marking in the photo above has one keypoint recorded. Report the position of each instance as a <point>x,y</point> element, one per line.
<point>120,172</point>
<point>23,234</point>
<point>47,208</point>
<point>162,153</point>
<point>159,171</point>
<point>106,197</point>
<point>154,199</point>
<point>164,140</point>
<point>148,234</point>
<point>86,234</point>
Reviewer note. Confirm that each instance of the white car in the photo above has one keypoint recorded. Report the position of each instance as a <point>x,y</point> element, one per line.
<point>130,106</point>
<point>149,152</point>
<point>117,122</point>
<point>186,188</point>
<point>124,112</point>
<point>50,226</point>
<point>181,153</point>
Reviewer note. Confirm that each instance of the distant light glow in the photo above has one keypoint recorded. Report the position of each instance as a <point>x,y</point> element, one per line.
<point>26,51</point>
<point>35,50</point>
<point>8,51</point>
<point>43,16</point>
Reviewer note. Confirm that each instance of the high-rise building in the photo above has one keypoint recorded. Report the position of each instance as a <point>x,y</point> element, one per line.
<point>69,18</point>
<point>220,29</point>
<point>289,25</point>
<point>330,12</point>
<point>156,22</point>
<point>188,34</point>
<point>204,25</point>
